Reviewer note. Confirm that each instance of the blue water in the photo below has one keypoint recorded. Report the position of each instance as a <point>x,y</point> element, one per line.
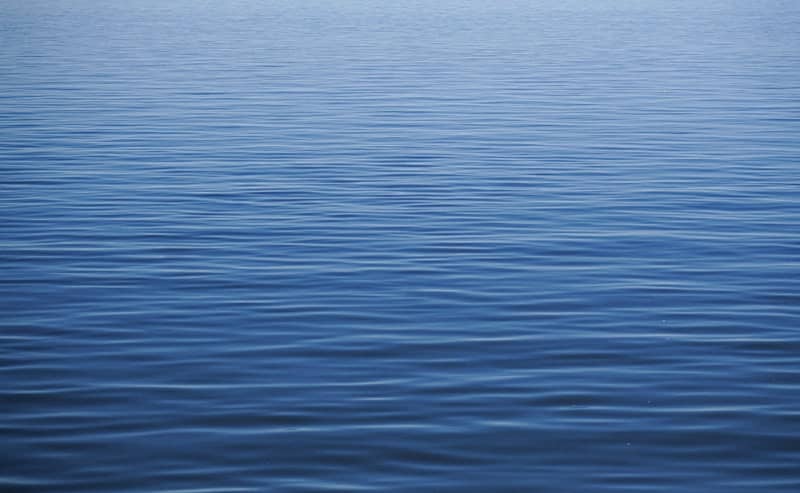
<point>407,246</point>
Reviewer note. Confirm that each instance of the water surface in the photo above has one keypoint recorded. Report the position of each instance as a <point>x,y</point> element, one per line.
<point>357,245</point>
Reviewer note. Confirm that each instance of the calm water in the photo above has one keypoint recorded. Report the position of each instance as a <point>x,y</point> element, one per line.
<point>423,246</point>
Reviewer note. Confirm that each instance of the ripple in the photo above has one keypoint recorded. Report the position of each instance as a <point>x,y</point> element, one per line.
<point>418,246</point>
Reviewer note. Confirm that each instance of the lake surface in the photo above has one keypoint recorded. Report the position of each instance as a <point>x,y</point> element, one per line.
<point>408,246</point>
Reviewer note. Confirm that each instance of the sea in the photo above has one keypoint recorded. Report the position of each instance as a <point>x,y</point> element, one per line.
<point>434,246</point>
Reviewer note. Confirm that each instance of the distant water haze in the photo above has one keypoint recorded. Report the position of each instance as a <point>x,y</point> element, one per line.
<point>406,246</point>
